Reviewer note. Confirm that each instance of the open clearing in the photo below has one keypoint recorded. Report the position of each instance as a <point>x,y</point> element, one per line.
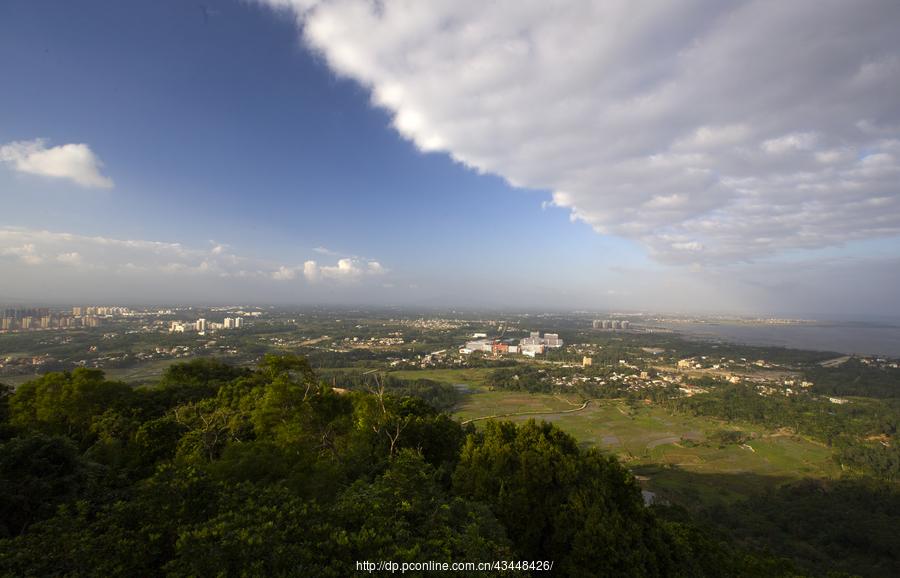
<point>673,452</point>
<point>471,376</point>
<point>149,371</point>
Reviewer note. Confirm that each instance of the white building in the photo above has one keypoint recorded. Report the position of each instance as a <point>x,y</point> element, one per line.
<point>551,340</point>
<point>531,349</point>
<point>479,345</point>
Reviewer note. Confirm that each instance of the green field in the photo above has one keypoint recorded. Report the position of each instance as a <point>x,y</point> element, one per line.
<point>142,373</point>
<point>672,454</point>
<point>150,371</point>
<point>472,376</point>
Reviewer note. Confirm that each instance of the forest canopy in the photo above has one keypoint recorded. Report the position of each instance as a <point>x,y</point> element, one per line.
<point>218,470</point>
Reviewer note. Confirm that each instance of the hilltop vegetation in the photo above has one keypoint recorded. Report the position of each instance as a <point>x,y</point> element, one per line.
<point>858,430</point>
<point>853,377</point>
<point>861,430</point>
<point>797,475</point>
<point>224,471</point>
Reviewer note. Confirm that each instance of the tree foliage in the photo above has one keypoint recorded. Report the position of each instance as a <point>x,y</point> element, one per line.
<point>232,472</point>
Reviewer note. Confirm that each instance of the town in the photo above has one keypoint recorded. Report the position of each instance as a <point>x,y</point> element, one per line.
<point>629,355</point>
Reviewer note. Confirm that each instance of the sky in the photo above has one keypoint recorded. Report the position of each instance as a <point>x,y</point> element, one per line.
<point>738,157</point>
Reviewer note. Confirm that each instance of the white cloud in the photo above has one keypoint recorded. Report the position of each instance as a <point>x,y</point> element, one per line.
<point>285,274</point>
<point>346,269</point>
<point>75,162</point>
<point>802,141</point>
<point>142,257</point>
<point>326,251</point>
<point>25,253</point>
<point>71,258</point>
<point>311,271</point>
<point>708,131</point>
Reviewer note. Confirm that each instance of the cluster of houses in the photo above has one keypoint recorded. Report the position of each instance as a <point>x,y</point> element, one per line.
<point>534,344</point>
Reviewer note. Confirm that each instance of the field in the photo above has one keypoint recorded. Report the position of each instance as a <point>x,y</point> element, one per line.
<point>141,373</point>
<point>674,455</point>
<point>473,376</point>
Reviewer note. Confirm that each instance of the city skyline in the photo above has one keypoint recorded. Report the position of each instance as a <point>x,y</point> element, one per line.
<point>707,158</point>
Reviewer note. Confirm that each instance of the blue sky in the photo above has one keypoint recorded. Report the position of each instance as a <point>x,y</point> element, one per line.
<point>229,124</point>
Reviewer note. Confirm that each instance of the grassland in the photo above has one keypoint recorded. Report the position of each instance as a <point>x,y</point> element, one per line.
<point>148,371</point>
<point>143,373</point>
<point>675,455</point>
<point>474,377</point>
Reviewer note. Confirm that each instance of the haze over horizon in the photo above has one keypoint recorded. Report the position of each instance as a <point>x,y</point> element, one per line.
<point>702,157</point>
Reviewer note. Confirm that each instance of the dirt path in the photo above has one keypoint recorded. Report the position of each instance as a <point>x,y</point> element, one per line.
<point>584,405</point>
<point>564,400</point>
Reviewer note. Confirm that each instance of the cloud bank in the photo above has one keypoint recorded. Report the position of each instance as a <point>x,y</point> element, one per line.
<point>108,257</point>
<point>74,162</point>
<point>346,269</point>
<point>711,132</point>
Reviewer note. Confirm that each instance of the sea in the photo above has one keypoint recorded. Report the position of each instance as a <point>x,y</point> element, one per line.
<point>859,338</point>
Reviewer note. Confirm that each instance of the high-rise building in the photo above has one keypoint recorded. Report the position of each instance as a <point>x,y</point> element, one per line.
<point>238,322</point>
<point>76,311</point>
<point>535,343</point>
<point>229,323</point>
<point>201,325</point>
<point>25,323</point>
<point>6,323</point>
<point>533,339</point>
<point>626,324</point>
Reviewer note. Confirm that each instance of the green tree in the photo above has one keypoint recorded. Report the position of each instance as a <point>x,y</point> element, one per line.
<point>206,372</point>
<point>37,474</point>
<point>67,403</point>
<point>6,429</point>
<point>581,509</point>
<point>405,515</point>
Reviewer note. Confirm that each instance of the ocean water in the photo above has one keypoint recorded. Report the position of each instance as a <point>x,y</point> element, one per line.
<point>840,337</point>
